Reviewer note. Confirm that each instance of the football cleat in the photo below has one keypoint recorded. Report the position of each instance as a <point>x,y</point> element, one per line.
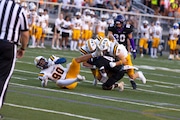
<point>141,76</point>
<point>95,82</point>
<point>80,78</point>
<point>121,86</point>
<point>133,84</point>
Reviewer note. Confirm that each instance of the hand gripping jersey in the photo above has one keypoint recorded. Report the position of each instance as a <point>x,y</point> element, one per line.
<point>121,35</point>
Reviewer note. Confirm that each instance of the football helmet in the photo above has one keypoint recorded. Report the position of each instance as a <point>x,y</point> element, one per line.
<point>145,22</point>
<point>40,10</point>
<point>17,1</point>
<point>32,6</point>
<point>104,44</point>
<point>78,14</point>
<point>119,19</point>
<point>175,25</point>
<point>114,15</point>
<point>91,45</point>
<point>41,62</point>
<point>92,13</point>
<point>157,22</point>
<point>24,4</point>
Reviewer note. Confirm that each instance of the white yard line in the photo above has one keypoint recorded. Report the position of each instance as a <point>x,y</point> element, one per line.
<point>98,97</point>
<point>51,111</point>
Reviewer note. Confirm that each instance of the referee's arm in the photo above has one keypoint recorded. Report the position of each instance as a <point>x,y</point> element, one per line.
<point>24,35</point>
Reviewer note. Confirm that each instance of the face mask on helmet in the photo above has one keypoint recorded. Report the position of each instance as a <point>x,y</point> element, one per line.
<point>41,62</point>
<point>91,45</point>
<point>119,21</point>
<point>175,25</point>
<point>104,44</point>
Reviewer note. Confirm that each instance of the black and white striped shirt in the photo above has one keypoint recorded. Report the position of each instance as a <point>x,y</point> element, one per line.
<point>13,20</point>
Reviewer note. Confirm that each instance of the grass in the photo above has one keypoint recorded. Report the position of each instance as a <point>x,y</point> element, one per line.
<point>156,100</point>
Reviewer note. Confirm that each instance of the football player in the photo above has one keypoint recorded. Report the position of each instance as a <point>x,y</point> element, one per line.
<point>89,47</point>
<point>100,67</point>
<point>156,37</point>
<point>119,52</point>
<point>76,34</point>
<point>122,33</point>
<point>52,69</point>
<point>173,38</point>
<point>86,18</point>
<point>92,24</point>
<point>39,28</point>
<point>32,23</point>
<point>101,26</point>
<point>145,34</point>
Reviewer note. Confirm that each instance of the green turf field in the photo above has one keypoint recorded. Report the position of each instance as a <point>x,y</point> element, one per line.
<point>159,99</point>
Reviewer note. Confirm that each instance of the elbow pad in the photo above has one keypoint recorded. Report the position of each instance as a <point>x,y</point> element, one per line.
<point>60,61</point>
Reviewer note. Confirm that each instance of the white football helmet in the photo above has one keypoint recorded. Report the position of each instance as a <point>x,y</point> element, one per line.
<point>91,45</point>
<point>92,12</point>
<point>78,14</point>
<point>17,1</point>
<point>114,15</point>
<point>157,22</point>
<point>32,6</point>
<point>41,62</point>
<point>104,44</point>
<point>145,22</point>
<point>40,10</point>
<point>24,4</point>
<point>175,25</point>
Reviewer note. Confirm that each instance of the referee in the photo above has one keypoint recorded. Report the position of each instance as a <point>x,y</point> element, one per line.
<point>13,30</point>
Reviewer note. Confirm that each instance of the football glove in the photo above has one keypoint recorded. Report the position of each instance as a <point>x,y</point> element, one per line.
<point>112,64</point>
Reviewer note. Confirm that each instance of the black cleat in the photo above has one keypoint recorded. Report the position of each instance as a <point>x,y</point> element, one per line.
<point>133,84</point>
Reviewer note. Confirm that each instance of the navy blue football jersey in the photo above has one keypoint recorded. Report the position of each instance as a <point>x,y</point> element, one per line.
<point>121,35</point>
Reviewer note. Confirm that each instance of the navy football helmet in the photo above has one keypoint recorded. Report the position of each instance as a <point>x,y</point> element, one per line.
<point>119,19</point>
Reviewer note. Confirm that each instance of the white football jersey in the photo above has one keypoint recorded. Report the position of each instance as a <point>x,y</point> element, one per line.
<point>77,23</point>
<point>46,18</point>
<point>102,25</point>
<point>157,31</point>
<point>32,15</point>
<point>92,22</point>
<point>40,20</point>
<point>54,72</point>
<point>86,22</point>
<point>115,49</point>
<point>174,33</point>
<point>145,32</point>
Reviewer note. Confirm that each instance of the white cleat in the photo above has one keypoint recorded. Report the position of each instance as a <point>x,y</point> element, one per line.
<point>31,46</point>
<point>53,48</point>
<point>141,76</point>
<point>80,78</point>
<point>121,86</point>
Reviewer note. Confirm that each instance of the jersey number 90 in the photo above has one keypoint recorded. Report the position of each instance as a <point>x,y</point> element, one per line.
<point>57,75</point>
